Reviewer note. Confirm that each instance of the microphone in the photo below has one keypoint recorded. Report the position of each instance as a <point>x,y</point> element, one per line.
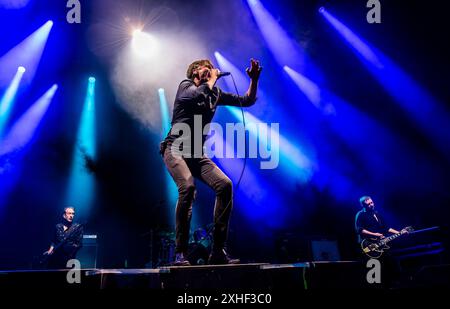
<point>223,74</point>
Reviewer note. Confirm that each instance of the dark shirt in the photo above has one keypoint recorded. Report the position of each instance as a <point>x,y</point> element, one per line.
<point>68,242</point>
<point>192,100</point>
<point>371,221</point>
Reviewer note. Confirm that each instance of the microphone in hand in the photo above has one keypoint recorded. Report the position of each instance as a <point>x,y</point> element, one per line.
<point>220,74</point>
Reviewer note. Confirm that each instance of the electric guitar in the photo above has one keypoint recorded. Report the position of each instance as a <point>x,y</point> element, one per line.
<point>374,248</point>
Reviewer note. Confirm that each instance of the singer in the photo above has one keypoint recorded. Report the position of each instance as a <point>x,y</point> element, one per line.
<point>198,95</point>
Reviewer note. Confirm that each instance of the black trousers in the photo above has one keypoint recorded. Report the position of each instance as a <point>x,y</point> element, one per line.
<point>61,256</point>
<point>183,172</point>
<point>390,271</point>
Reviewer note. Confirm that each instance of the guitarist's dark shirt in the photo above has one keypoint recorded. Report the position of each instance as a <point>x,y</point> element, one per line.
<point>371,221</point>
<point>66,244</point>
<point>73,235</point>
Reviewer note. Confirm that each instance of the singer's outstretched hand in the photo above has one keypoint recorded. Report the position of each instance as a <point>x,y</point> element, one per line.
<point>255,69</point>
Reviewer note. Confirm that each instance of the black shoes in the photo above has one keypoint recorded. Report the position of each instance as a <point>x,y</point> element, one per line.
<point>180,260</point>
<point>221,257</point>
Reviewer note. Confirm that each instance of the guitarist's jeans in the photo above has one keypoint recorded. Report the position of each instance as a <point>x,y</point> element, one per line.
<point>183,171</point>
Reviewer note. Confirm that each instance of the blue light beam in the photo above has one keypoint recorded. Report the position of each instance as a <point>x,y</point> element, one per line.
<point>81,187</point>
<point>259,200</point>
<point>280,44</point>
<point>311,90</point>
<point>292,160</point>
<point>8,98</point>
<point>25,128</point>
<point>420,105</point>
<point>28,53</point>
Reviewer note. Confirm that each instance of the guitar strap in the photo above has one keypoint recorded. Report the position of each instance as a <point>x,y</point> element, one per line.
<point>70,231</point>
<point>376,218</point>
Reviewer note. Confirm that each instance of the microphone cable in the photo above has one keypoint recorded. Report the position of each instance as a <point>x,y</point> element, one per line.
<point>245,156</point>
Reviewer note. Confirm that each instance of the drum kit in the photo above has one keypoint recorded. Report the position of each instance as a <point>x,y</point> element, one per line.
<point>198,249</point>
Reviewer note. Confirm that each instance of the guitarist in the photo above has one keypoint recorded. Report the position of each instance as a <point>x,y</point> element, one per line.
<point>66,242</point>
<point>369,223</point>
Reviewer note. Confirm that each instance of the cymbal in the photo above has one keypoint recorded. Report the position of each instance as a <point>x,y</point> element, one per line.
<point>166,234</point>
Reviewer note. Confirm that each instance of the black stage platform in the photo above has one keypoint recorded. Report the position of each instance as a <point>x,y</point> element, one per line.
<point>261,276</point>
<point>256,276</point>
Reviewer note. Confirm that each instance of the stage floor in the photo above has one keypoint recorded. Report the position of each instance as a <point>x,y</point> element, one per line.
<point>259,276</point>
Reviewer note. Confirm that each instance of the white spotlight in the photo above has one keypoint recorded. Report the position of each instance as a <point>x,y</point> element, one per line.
<point>136,32</point>
<point>144,44</point>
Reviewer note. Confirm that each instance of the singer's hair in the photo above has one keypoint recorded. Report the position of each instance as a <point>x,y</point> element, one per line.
<point>195,65</point>
<point>363,199</point>
<point>68,207</point>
